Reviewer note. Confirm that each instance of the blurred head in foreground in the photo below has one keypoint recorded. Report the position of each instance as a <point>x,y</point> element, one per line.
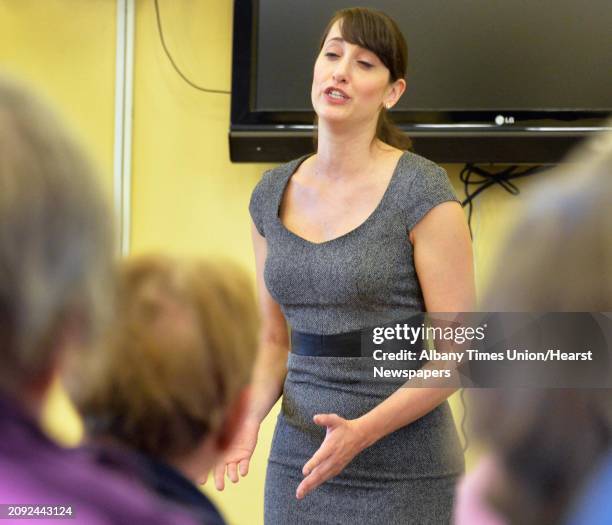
<point>55,277</point>
<point>55,247</point>
<point>544,443</point>
<point>172,381</point>
<point>559,257</point>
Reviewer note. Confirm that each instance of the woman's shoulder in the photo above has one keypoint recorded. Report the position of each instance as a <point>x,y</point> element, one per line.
<point>277,175</point>
<point>412,167</point>
<point>421,185</point>
<point>416,174</point>
<point>267,191</point>
<point>272,178</point>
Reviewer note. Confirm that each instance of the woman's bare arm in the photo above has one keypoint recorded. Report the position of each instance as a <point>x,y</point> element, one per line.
<point>271,362</point>
<point>268,375</point>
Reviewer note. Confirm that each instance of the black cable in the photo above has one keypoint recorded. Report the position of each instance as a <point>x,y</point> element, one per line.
<point>180,73</point>
<point>487,179</point>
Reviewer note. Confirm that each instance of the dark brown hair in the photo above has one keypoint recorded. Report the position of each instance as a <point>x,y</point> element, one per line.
<point>377,32</point>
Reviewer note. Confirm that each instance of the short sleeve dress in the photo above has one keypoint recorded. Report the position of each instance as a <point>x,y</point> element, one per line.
<point>361,279</point>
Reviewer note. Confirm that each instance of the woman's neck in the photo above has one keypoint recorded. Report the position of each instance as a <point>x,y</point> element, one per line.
<point>345,152</point>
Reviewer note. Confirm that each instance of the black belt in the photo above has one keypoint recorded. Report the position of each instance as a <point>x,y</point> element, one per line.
<point>348,344</point>
<point>337,345</point>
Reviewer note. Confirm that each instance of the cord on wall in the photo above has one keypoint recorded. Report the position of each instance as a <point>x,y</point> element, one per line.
<point>473,175</point>
<point>176,68</point>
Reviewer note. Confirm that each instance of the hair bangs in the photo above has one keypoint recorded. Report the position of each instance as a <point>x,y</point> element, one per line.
<point>370,32</point>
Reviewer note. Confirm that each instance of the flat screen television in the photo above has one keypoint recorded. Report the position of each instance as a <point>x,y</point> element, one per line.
<point>516,81</point>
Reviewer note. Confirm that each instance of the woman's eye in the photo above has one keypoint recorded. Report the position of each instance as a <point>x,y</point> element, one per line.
<point>365,64</point>
<point>330,54</point>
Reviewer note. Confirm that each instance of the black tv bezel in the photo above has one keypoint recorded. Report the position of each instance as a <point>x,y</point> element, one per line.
<point>542,137</point>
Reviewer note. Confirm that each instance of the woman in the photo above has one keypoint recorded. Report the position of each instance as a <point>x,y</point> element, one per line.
<point>359,234</point>
<point>166,398</point>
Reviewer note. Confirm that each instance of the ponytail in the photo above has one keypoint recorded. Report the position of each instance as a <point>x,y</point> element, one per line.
<point>388,132</point>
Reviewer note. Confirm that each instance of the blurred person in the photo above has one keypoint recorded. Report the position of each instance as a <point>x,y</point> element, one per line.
<point>593,507</point>
<point>543,445</point>
<point>546,444</point>
<point>55,266</point>
<point>171,385</point>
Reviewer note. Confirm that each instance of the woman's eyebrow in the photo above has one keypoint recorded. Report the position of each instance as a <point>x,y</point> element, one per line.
<point>336,39</point>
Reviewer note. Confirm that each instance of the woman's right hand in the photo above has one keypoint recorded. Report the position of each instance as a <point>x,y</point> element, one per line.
<point>268,375</point>
<point>237,457</point>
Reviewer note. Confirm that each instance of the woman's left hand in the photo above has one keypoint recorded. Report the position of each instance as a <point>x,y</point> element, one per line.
<point>344,439</point>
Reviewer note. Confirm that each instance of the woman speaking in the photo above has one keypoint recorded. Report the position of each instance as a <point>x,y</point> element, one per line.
<point>359,234</point>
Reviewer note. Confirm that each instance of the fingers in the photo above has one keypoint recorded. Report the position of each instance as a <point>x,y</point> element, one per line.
<point>324,452</point>
<point>318,476</point>
<point>232,469</point>
<point>220,476</point>
<point>232,472</point>
<point>243,467</point>
<point>327,420</point>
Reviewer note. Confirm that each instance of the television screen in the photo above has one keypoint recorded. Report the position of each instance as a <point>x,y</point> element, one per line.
<point>498,70</point>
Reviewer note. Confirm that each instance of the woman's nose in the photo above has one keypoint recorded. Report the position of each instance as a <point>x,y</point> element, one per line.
<point>340,73</point>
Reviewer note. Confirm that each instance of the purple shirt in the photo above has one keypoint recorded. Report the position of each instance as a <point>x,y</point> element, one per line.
<point>35,470</point>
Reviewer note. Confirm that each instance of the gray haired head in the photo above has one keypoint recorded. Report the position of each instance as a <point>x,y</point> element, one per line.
<point>55,240</point>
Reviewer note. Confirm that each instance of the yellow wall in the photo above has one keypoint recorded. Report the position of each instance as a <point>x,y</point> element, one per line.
<point>187,197</point>
<point>65,49</point>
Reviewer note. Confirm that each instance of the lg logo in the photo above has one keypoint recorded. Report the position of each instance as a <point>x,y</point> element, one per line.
<point>500,120</point>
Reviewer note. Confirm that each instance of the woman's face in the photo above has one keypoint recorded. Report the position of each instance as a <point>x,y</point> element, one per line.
<point>350,83</point>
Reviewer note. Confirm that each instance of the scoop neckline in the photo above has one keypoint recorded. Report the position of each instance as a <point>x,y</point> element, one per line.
<point>360,226</point>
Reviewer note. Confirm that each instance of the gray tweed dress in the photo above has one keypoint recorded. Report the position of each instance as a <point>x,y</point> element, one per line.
<point>363,278</point>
